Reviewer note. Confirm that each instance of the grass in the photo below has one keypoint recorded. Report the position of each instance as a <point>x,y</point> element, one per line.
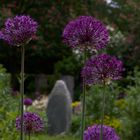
<point>46,137</point>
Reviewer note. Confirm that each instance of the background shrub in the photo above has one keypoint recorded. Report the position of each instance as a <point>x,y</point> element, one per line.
<point>8,108</point>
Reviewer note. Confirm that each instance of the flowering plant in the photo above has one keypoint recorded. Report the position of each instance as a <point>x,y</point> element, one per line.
<point>19,30</point>
<point>86,33</point>
<point>32,123</point>
<point>93,133</point>
<point>102,69</point>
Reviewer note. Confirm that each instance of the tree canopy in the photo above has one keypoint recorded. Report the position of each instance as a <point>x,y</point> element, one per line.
<point>47,47</point>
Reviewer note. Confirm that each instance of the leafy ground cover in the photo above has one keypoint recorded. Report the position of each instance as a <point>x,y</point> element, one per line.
<point>45,137</point>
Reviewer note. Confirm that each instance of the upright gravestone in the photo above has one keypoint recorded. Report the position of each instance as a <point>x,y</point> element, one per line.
<point>41,83</point>
<point>59,109</point>
<point>69,80</point>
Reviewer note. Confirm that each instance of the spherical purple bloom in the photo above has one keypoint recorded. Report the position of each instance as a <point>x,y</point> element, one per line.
<point>93,133</point>
<point>19,30</point>
<point>27,101</point>
<point>86,33</point>
<point>31,123</point>
<point>102,69</point>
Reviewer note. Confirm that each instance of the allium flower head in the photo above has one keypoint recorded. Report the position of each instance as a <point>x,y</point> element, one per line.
<point>86,33</point>
<point>93,133</point>
<point>31,123</point>
<point>27,101</point>
<point>19,30</point>
<point>102,69</point>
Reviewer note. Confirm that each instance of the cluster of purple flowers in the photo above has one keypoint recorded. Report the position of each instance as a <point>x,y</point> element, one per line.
<point>19,30</point>
<point>31,123</point>
<point>102,69</point>
<point>27,101</point>
<point>86,33</point>
<point>93,133</point>
<point>89,34</point>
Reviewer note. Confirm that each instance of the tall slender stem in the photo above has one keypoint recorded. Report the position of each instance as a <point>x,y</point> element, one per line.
<point>22,89</point>
<point>103,112</point>
<point>29,135</point>
<point>83,104</point>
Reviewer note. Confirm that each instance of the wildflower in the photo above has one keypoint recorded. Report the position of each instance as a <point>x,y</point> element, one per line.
<point>86,33</point>
<point>19,30</point>
<point>102,69</point>
<point>27,101</point>
<point>31,123</point>
<point>75,104</point>
<point>93,133</point>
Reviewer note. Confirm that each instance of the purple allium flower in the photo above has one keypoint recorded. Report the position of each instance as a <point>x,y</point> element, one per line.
<point>19,30</point>
<point>31,123</point>
<point>93,133</point>
<point>102,69</point>
<point>86,33</point>
<point>27,101</point>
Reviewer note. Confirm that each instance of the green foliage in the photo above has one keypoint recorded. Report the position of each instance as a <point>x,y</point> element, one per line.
<point>45,137</point>
<point>75,125</point>
<point>68,66</point>
<point>4,81</point>
<point>131,112</point>
<point>8,108</point>
<point>7,125</point>
<point>117,45</point>
<point>94,107</point>
<point>94,100</point>
<point>110,121</point>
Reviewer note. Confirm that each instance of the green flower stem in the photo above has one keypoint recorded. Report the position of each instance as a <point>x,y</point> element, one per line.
<point>29,135</point>
<point>83,105</point>
<point>103,111</point>
<point>22,90</point>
